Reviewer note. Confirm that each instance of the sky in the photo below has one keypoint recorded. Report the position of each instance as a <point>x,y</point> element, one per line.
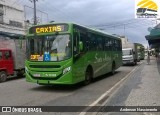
<point>112,16</point>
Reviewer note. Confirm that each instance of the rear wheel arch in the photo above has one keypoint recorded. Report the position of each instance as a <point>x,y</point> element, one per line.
<point>3,70</point>
<point>88,75</point>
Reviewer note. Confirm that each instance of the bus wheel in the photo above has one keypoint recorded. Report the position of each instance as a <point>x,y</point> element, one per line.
<point>113,68</point>
<point>88,76</point>
<point>135,62</point>
<point>3,76</point>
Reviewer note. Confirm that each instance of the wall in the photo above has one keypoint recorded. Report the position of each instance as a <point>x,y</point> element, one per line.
<point>13,17</point>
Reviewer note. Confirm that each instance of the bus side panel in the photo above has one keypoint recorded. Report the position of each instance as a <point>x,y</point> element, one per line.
<point>81,63</point>
<point>103,59</point>
<point>78,69</point>
<point>99,63</point>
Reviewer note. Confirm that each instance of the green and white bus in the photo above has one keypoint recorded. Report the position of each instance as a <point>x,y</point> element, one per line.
<point>67,53</point>
<point>141,51</point>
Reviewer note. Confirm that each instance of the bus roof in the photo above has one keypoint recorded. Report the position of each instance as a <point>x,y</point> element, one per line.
<point>97,30</point>
<point>91,29</point>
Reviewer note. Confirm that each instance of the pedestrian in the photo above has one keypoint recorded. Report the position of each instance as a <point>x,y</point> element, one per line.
<point>148,58</point>
<point>156,55</point>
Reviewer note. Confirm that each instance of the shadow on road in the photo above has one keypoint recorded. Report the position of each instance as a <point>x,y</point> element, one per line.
<point>14,78</point>
<point>57,88</point>
<point>102,77</point>
<point>66,88</point>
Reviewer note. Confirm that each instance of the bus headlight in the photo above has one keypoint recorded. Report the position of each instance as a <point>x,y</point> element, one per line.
<point>66,70</point>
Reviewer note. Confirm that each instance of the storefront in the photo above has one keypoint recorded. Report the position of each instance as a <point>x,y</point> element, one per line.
<point>154,38</point>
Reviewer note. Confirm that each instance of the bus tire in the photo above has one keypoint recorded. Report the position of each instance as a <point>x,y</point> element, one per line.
<point>113,68</point>
<point>3,76</point>
<point>88,76</point>
<point>135,62</point>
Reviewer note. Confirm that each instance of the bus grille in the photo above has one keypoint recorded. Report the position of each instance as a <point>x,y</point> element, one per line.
<point>44,66</point>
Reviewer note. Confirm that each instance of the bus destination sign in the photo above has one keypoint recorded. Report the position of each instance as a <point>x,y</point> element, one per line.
<point>48,29</point>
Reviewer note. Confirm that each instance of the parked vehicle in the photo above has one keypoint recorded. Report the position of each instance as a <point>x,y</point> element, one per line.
<point>141,52</point>
<point>12,57</point>
<point>130,53</point>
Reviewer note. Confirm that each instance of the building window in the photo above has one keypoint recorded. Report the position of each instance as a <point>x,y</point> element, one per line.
<point>15,24</point>
<point>1,13</point>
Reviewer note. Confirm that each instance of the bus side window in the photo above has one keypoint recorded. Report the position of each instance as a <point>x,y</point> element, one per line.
<point>100,43</point>
<point>107,44</point>
<point>116,45</point>
<point>93,43</point>
<point>88,42</point>
<point>83,37</point>
<point>110,44</point>
<point>75,43</point>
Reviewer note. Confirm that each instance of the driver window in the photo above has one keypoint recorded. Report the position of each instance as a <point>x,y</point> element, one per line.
<point>7,55</point>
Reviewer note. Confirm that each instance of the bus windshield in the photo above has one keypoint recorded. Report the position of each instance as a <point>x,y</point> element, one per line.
<point>49,48</point>
<point>141,10</point>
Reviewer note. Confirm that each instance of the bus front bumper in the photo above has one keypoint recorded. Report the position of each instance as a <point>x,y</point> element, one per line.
<point>64,79</point>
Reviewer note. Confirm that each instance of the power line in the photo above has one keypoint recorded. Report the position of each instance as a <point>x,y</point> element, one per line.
<point>51,7</point>
<point>126,22</point>
<point>124,25</point>
<point>132,24</point>
<point>112,23</point>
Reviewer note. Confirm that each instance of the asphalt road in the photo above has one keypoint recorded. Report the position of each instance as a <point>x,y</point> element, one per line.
<point>18,92</point>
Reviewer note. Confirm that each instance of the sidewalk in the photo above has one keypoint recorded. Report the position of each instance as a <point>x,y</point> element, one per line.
<point>147,92</point>
<point>141,89</point>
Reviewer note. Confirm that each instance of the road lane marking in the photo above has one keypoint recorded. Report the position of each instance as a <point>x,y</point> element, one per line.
<point>108,91</point>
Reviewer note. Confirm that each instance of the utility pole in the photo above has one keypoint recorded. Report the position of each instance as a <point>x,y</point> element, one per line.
<point>35,17</point>
<point>124,29</point>
<point>44,13</point>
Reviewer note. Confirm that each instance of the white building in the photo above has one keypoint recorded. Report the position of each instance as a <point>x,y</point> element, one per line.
<point>11,18</point>
<point>124,39</point>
